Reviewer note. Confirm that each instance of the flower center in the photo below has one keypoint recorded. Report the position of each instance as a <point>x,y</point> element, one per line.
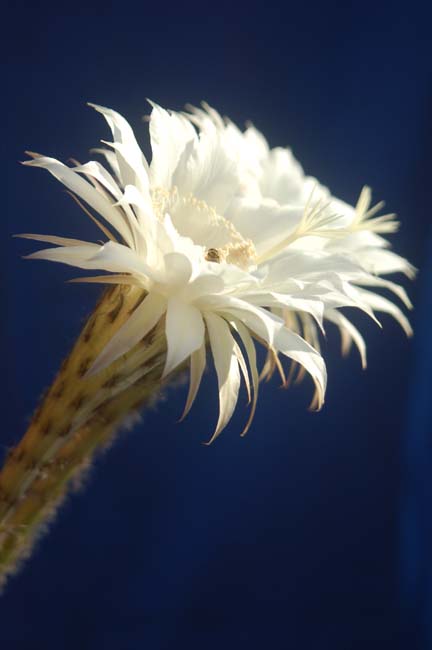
<point>197,220</point>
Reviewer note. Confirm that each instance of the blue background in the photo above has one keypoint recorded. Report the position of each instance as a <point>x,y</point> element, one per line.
<point>315,530</point>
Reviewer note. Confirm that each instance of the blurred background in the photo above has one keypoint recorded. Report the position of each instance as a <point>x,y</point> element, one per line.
<point>313,531</point>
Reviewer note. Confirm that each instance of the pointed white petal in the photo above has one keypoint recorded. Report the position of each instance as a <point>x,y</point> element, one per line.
<point>94,170</point>
<point>53,239</point>
<point>142,201</point>
<point>312,306</point>
<point>111,256</point>
<point>184,330</point>
<point>266,223</point>
<point>244,370</point>
<point>346,295</point>
<point>178,270</point>
<point>310,331</point>
<point>310,265</point>
<point>169,134</point>
<point>111,159</point>
<point>381,262</point>
<point>143,223</point>
<point>197,367</point>
<point>397,289</point>
<point>349,333</point>
<point>227,368</point>
<point>143,319</point>
<point>295,347</point>
<point>119,259</point>
<point>105,184</point>
<point>260,321</point>
<point>115,278</point>
<point>251,353</point>
<point>257,142</point>
<point>85,191</point>
<point>75,255</point>
<point>379,303</point>
<point>283,178</point>
<point>132,164</point>
<point>204,285</point>
<point>208,169</point>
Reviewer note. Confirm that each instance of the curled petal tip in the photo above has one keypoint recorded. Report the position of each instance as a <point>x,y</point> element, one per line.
<point>32,154</point>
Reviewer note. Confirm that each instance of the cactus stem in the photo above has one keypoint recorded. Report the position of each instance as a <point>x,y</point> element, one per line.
<point>78,416</point>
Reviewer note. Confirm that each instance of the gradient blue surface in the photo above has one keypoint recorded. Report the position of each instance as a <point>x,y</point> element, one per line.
<point>290,537</point>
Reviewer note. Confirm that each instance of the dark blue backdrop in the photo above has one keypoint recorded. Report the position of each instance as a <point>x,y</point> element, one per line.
<point>290,537</point>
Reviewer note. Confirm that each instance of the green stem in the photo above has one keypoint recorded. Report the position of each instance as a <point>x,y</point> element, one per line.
<point>78,416</point>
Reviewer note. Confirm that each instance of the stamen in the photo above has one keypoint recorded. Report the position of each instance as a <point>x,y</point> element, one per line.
<point>209,229</point>
<point>365,218</point>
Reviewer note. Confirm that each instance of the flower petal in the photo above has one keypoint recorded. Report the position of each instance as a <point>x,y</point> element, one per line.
<point>53,239</point>
<point>73,181</point>
<point>184,330</point>
<point>94,170</point>
<point>227,368</point>
<point>115,278</point>
<point>266,223</point>
<point>295,347</point>
<point>178,270</point>
<point>379,303</point>
<point>119,259</point>
<point>169,134</point>
<point>111,159</point>
<point>349,333</point>
<point>75,255</point>
<point>251,353</point>
<point>197,367</point>
<point>132,164</point>
<point>243,368</point>
<point>208,169</point>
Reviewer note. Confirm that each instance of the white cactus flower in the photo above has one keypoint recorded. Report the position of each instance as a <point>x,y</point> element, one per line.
<point>231,243</point>
<point>352,232</point>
